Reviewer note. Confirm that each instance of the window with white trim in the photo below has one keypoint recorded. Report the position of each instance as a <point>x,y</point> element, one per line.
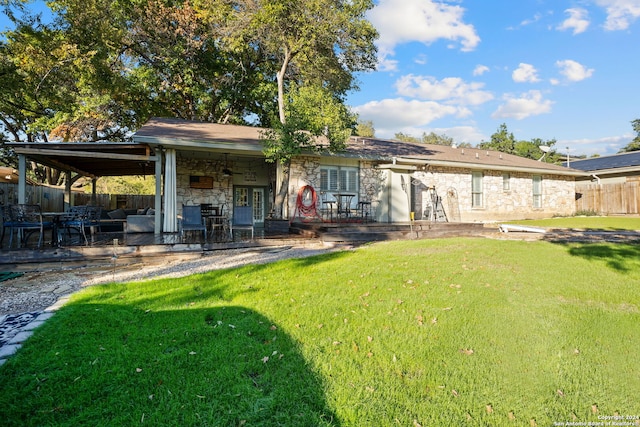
<point>335,178</point>
<point>506,182</point>
<point>476,189</point>
<point>537,191</point>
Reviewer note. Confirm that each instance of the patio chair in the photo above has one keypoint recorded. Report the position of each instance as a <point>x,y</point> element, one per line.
<point>326,207</point>
<point>220,224</point>
<point>242,219</point>
<point>192,220</point>
<point>6,222</point>
<point>26,220</point>
<point>79,218</point>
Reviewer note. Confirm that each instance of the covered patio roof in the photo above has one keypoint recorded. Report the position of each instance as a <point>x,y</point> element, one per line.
<point>92,159</point>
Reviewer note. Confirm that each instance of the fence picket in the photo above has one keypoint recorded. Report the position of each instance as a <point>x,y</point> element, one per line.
<point>609,199</point>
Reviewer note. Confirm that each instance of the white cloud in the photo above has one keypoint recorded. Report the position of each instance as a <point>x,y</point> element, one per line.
<point>451,89</point>
<point>527,104</point>
<point>393,115</point>
<point>573,71</point>
<point>386,64</point>
<point>460,134</point>
<point>603,146</point>
<point>577,20</point>
<point>533,20</point>
<point>421,60</point>
<point>425,21</point>
<point>480,70</point>
<point>620,13</point>
<point>525,73</point>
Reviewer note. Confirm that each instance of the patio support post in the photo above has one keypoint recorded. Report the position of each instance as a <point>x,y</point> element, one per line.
<point>22,179</point>
<point>170,204</point>
<point>67,190</point>
<point>93,191</point>
<point>158,200</point>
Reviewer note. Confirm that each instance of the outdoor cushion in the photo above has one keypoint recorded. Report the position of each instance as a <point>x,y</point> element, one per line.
<point>140,224</point>
<point>117,214</point>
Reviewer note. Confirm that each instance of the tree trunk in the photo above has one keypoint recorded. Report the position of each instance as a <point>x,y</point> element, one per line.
<point>280,78</point>
<point>281,196</point>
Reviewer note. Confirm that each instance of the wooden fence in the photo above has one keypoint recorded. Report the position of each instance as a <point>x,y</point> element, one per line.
<point>609,199</point>
<point>52,199</point>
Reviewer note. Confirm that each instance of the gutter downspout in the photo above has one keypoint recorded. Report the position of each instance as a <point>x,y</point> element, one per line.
<point>596,177</point>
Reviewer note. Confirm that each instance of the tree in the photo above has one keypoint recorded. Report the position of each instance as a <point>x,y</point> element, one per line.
<point>531,150</point>
<point>365,129</point>
<point>428,138</point>
<point>634,145</point>
<point>435,139</point>
<point>502,140</point>
<point>39,68</point>
<point>315,121</point>
<point>104,67</point>
<point>404,137</point>
<point>318,44</point>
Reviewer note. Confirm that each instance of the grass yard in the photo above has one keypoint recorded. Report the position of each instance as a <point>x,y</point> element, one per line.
<point>608,223</point>
<point>445,332</point>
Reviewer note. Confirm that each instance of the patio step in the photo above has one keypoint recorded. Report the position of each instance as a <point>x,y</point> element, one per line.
<point>331,232</point>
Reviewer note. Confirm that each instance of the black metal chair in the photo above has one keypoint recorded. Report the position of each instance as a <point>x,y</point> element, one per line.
<point>7,223</point>
<point>192,220</point>
<point>25,220</point>
<point>327,207</point>
<point>364,210</point>
<point>220,224</point>
<point>79,218</point>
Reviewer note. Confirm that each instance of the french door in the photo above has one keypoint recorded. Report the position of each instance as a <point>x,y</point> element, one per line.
<point>251,196</point>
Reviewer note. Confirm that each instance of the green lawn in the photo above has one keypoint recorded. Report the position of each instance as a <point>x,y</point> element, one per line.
<point>432,332</point>
<point>609,223</point>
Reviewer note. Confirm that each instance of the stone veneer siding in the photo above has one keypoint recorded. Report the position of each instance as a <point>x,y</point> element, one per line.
<point>222,192</point>
<point>558,194</point>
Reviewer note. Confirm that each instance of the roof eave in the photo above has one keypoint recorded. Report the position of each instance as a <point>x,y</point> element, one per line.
<point>613,171</point>
<point>223,146</point>
<point>505,168</point>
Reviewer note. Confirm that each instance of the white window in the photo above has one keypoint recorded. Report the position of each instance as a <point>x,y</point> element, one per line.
<point>333,178</point>
<point>537,191</point>
<point>506,182</point>
<point>476,189</point>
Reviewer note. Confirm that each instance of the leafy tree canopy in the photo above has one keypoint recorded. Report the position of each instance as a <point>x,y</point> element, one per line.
<point>504,141</point>
<point>102,67</point>
<point>430,138</point>
<point>634,145</point>
<point>365,129</point>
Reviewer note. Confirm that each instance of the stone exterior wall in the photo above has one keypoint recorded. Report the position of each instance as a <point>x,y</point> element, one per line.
<point>372,181</point>
<point>453,185</point>
<point>221,193</point>
<point>305,170</point>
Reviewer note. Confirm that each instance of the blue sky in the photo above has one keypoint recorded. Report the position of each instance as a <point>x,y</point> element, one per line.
<point>549,69</point>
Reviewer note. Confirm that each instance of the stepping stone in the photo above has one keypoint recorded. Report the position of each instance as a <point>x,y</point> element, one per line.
<point>33,325</point>
<point>43,316</point>
<point>8,350</point>
<point>20,337</point>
